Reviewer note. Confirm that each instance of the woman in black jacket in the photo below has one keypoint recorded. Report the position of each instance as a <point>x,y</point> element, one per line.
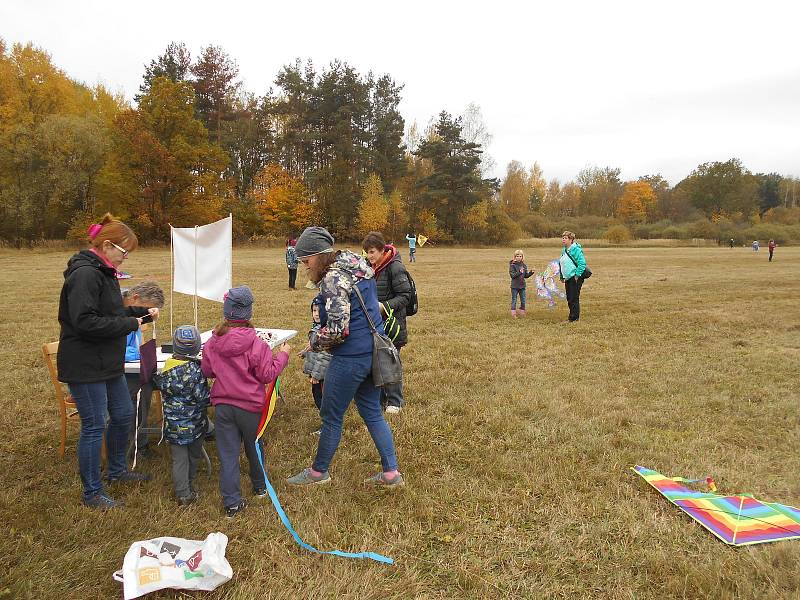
<point>91,354</point>
<point>394,294</point>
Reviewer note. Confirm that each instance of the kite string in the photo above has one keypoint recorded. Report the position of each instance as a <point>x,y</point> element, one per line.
<point>286,523</point>
<point>274,388</point>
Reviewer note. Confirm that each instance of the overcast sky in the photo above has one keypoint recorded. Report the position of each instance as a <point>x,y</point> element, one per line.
<point>648,87</point>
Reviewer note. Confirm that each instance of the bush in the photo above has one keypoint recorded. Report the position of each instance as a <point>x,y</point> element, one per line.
<point>501,228</point>
<point>671,232</point>
<point>785,216</point>
<point>617,234</point>
<point>703,229</point>
<point>782,234</point>
<point>537,225</point>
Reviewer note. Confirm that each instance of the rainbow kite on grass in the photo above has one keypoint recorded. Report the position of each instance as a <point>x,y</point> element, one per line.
<point>738,520</point>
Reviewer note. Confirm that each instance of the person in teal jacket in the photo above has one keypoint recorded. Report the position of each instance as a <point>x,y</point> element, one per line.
<point>573,264</point>
<point>412,247</point>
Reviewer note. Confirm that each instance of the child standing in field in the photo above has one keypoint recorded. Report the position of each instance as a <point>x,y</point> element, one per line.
<point>519,272</point>
<point>242,364</point>
<point>185,398</point>
<point>316,363</point>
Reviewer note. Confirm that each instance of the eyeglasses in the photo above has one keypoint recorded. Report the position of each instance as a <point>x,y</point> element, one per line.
<point>124,252</point>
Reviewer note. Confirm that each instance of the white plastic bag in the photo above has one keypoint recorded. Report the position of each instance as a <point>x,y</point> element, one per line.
<point>168,562</point>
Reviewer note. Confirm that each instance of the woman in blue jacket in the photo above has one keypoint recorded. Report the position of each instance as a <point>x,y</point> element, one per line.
<point>573,264</point>
<point>346,334</point>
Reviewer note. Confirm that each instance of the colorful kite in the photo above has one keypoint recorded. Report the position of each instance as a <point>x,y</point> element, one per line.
<point>738,520</point>
<point>272,393</point>
<point>547,287</point>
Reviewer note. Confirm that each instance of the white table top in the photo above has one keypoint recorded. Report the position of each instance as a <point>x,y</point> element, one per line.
<point>278,337</point>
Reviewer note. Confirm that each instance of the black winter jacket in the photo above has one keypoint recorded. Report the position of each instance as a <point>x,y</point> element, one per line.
<point>394,290</point>
<point>94,323</point>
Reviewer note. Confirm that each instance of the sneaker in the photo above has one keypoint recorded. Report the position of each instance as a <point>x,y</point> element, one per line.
<point>191,498</point>
<point>129,477</point>
<point>305,477</point>
<point>232,511</point>
<point>317,432</point>
<point>380,480</point>
<point>393,410</point>
<point>260,493</point>
<point>102,502</point>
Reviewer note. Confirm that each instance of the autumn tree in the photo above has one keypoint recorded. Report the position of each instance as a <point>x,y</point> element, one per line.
<point>537,186</point>
<point>53,144</point>
<point>475,221</point>
<point>175,64</point>
<point>397,218</point>
<point>215,88</point>
<point>283,201</point>
<point>636,201</point>
<point>515,191</point>
<point>455,182</point>
<point>600,190</point>
<point>172,164</point>
<point>769,195</point>
<point>373,211</point>
<point>721,187</point>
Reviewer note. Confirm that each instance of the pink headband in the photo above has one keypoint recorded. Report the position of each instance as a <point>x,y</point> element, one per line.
<point>94,230</point>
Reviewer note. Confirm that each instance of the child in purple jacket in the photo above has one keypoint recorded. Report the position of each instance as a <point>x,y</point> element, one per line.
<point>242,364</point>
<point>519,272</point>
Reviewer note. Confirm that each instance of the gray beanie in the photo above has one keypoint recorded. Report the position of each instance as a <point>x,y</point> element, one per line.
<point>186,341</point>
<point>238,305</point>
<point>314,240</point>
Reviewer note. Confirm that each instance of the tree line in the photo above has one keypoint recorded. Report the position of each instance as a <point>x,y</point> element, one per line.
<point>327,146</point>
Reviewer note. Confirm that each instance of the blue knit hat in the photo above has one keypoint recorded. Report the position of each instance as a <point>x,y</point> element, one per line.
<point>186,341</point>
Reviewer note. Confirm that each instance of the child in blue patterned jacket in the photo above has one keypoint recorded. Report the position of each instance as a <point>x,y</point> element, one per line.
<point>185,398</point>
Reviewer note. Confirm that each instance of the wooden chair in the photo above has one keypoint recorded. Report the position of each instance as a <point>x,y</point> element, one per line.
<point>66,406</point>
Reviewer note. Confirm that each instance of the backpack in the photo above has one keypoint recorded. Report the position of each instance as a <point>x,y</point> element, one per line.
<point>413,305</point>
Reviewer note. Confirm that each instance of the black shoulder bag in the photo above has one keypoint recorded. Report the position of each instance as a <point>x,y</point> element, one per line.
<point>587,272</point>
<point>386,366</point>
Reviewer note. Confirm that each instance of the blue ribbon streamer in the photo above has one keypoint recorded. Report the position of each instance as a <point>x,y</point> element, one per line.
<point>286,523</point>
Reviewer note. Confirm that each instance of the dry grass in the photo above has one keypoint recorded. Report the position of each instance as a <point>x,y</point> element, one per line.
<point>516,441</point>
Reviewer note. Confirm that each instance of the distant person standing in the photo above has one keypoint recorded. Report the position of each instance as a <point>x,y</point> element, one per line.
<point>412,247</point>
<point>731,242</point>
<point>756,245</point>
<point>771,248</point>
<point>291,262</point>
<point>573,264</point>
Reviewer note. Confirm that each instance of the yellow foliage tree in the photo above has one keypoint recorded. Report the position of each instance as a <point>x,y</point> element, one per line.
<point>398,217</point>
<point>428,226</point>
<point>373,212</point>
<point>637,200</point>
<point>283,201</point>
<point>515,191</point>
<point>475,219</point>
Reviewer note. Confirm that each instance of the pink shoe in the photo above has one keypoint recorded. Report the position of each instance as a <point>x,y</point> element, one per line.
<point>521,312</point>
<point>513,313</point>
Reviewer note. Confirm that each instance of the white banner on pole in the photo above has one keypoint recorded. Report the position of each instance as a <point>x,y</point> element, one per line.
<point>202,259</point>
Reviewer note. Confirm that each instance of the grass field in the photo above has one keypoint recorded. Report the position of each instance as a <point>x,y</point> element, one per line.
<point>516,441</point>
